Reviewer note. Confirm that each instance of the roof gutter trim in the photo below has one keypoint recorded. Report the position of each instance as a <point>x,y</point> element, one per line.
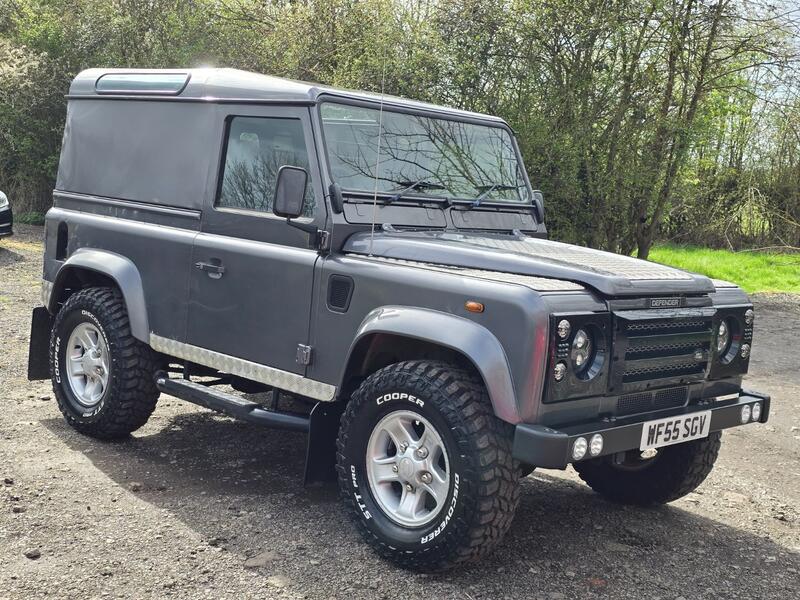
<point>206,99</point>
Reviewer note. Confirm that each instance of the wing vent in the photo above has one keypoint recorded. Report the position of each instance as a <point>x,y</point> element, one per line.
<point>340,291</point>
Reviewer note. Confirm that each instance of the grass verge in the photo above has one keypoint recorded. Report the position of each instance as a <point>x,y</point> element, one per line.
<point>753,271</point>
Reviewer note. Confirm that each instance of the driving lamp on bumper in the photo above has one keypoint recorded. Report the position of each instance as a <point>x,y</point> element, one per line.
<point>596,444</point>
<point>579,448</point>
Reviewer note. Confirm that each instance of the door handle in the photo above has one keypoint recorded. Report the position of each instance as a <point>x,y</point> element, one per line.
<point>213,270</point>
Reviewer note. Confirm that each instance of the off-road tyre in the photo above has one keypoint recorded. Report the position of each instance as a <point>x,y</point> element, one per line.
<point>131,394</point>
<point>675,471</point>
<point>484,481</point>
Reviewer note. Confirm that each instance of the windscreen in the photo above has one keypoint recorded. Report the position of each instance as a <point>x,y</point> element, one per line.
<point>436,157</point>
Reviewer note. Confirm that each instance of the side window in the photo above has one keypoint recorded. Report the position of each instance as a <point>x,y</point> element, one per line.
<point>256,148</point>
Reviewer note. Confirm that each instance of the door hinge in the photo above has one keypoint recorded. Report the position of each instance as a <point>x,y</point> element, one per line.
<point>303,354</point>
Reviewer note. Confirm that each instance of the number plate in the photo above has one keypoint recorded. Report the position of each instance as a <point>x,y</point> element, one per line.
<point>675,430</point>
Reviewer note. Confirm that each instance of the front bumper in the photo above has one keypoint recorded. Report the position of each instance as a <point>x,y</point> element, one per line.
<point>549,448</point>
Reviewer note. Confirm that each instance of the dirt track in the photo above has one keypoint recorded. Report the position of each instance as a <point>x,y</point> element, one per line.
<point>196,505</point>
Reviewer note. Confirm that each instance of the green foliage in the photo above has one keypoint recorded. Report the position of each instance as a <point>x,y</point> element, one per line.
<point>637,119</point>
<point>753,271</point>
<point>30,218</point>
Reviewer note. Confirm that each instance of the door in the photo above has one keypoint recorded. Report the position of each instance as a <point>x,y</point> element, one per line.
<point>252,274</point>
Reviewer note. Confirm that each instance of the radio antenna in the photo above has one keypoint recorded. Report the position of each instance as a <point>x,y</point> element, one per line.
<point>378,160</point>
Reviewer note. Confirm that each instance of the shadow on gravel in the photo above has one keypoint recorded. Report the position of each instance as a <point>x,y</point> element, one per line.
<point>8,257</point>
<point>243,484</point>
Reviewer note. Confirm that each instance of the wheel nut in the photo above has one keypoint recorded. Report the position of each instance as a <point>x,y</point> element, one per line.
<point>425,477</point>
<point>394,468</point>
<point>422,452</point>
<point>409,487</point>
<point>403,447</point>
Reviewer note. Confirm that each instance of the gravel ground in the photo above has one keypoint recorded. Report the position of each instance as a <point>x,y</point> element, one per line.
<point>196,505</point>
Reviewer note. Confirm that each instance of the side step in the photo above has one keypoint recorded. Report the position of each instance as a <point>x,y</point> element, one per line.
<point>229,404</point>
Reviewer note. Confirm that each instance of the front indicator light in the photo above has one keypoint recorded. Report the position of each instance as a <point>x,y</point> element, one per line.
<point>745,351</point>
<point>559,371</point>
<point>579,448</point>
<point>757,411</point>
<point>745,416</point>
<point>596,444</point>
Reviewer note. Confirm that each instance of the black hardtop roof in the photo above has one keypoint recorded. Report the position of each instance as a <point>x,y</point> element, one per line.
<point>232,85</point>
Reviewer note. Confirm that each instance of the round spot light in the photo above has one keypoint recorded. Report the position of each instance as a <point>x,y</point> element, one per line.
<point>744,352</point>
<point>596,445</point>
<point>563,329</point>
<point>745,416</point>
<point>757,411</point>
<point>579,448</point>
<point>749,315</point>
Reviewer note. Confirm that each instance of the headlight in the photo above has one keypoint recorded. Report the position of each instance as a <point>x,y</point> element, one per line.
<point>723,338</point>
<point>581,352</point>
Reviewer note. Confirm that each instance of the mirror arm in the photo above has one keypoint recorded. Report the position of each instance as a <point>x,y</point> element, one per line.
<point>320,235</point>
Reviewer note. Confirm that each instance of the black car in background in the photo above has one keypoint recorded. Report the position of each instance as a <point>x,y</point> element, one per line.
<point>6,217</point>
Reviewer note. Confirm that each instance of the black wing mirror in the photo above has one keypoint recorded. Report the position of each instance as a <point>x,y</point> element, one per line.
<point>538,202</point>
<point>290,192</point>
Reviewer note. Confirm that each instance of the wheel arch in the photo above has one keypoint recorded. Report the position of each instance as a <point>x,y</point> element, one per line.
<point>395,333</point>
<point>88,267</point>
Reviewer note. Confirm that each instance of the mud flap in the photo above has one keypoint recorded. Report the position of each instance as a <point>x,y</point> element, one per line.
<point>39,348</point>
<point>322,433</point>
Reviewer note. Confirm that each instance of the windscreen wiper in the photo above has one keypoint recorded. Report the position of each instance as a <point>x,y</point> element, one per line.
<point>488,189</point>
<point>413,186</point>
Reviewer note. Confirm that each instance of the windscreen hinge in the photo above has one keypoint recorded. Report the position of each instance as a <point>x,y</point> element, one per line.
<point>323,240</point>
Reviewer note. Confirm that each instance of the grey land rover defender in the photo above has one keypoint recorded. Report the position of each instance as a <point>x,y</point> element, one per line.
<point>384,264</point>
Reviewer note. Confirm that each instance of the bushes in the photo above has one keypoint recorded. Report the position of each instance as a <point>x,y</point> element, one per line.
<point>637,119</point>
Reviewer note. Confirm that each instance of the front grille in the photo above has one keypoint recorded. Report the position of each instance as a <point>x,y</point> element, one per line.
<point>664,326</point>
<point>635,403</point>
<point>659,347</point>
<point>661,371</point>
<point>670,398</point>
<point>631,404</point>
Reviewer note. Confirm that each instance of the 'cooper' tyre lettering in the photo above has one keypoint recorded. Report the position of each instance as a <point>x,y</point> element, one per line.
<point>400,396</point>
<point>56,368</point>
